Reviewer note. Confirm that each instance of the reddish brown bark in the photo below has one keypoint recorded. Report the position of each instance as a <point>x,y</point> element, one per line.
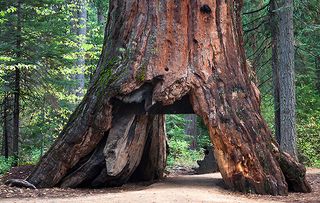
<point>159,57</point>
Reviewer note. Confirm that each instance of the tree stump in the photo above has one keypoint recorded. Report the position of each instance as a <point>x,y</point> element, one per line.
<point>163,57</point>
<point>208,164</point>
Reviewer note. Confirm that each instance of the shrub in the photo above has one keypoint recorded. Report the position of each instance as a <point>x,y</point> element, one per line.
<point>30,156</point>
<point>5,164</point>
<point>179,143</point>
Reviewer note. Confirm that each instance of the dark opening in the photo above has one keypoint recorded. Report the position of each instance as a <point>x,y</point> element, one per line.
<point>186,149</point>
<point>205,9</point>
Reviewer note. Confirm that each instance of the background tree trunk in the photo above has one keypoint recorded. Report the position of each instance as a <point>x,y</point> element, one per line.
<point>79,29</point>
<point>317,62</point>
<point>5,144</point>
<point>283,68</point>
<point>164,57</point>
<point>81,33</point>
<point>275,71</point>
<point>16,100</point>
<point>7,104</point>
<point>191,129</point>
<point>101,11</point>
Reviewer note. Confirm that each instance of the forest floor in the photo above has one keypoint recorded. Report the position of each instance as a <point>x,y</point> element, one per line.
<point>176,187</point>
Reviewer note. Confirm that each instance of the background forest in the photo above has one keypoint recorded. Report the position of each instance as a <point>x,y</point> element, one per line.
<point>49,50</point>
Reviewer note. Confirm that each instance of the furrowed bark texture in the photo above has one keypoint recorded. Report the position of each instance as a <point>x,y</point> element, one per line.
<point>283,74</point>
<point>162,57</point>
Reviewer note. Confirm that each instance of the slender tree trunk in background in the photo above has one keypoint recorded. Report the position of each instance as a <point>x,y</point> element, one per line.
<point>275,70</point>
<point>7,101</point>
<point>317,62</point>
<point>16,102</point>
<point>284,75</point>
<point>78,23</point>
<point>100,14</point>
<point>74,17</point>
<point>163,57</point>
<point>81,33</point>
<point>191,129</point>
<point>5,146</point>
<point>16,113</point>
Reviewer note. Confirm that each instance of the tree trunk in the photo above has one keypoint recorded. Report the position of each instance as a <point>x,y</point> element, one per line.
<point>82,32</point>
<point>191,129</point>
<point>164,57</point>
<point>16,100</point>
<point>79,29</point>
<point>318,72</point>
<point>275,71</point>
<point>100,13</point>
<point>154,159</point>
<point>208,164</point>
<point>283,73</point>
<point>5,144</point>
<point>8,87</point>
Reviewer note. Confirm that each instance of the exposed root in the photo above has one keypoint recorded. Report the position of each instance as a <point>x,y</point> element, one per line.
<point>19,183</point>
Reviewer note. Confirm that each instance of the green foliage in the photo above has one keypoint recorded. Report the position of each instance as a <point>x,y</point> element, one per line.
<point>307,36</point>
<point>30,156</point>
<point>5,164</point>
<point>175,127</point>
<point>203,138</point>
<point>179,143</point>
<point>267,110</point>
<point>308,122</point>
<point>181,155</point>
<point>47,62</point>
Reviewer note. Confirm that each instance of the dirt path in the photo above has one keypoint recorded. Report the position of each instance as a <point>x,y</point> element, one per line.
<point>185,188</point>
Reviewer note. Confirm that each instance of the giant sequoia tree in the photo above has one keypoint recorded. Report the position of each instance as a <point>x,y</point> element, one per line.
<point>163,57</point>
